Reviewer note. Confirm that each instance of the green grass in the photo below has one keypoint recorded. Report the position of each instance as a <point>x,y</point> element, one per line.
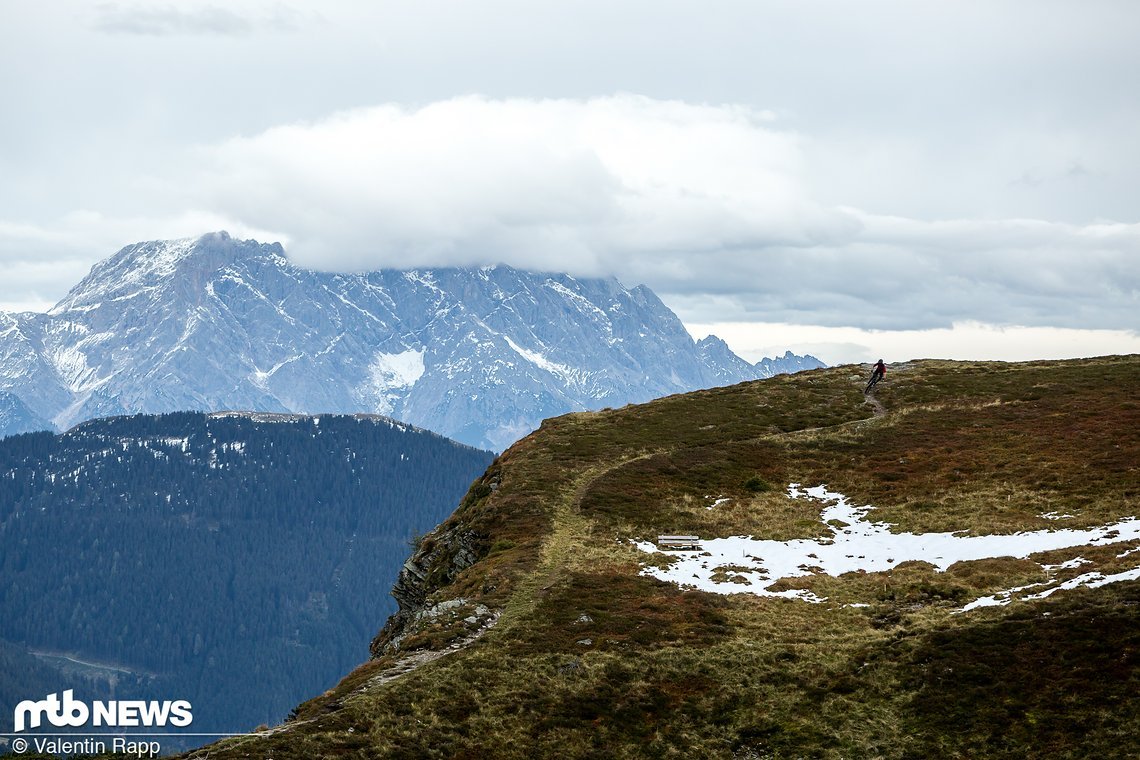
<point>590,659</point>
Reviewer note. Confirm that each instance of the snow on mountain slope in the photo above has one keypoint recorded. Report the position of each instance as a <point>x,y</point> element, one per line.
<point>481,355</point>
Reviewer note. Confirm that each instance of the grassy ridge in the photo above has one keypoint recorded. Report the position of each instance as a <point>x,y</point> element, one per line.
<point>590,659</point>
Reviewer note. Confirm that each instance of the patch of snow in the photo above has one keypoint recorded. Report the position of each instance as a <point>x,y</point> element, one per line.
<point>80,309</point>
<point>259,416</point>
<point>426,279</point>
<point>260,378</point>
<point>164,260</point>
<point>1071,564</point>
<point>540,361</point>
<point>333,344</point>
<point>718,502</point>
<point>1055,516</point>
<point>71,365</point>
<point>583,304</point>
<point>998,600</point>
<point>391,374</point>
<point>102,337</point>
<point>1091,580</point>
<point>148,264</point>
<point>856,544</point>
<point>132,295</point>
<point>400,370</point>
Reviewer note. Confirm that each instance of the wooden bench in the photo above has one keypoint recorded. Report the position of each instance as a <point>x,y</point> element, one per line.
<point>678,542</point>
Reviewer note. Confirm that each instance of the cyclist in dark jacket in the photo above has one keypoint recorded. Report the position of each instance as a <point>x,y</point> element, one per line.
<point>877,374</point>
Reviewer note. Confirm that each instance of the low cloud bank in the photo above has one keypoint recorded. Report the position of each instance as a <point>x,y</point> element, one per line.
<point>710,205</point>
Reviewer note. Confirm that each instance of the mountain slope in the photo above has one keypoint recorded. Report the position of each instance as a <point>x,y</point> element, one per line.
<point>545,623</point>
<point>480,355</point>
<point>16,417</point>
<point>237,561</point>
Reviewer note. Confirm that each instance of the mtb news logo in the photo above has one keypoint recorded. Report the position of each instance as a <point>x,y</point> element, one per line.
<point>74,713</point>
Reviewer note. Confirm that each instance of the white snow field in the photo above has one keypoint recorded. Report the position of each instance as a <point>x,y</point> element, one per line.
<point>742,564</point>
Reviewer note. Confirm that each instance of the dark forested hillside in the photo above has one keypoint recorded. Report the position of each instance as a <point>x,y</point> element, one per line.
<point>239,561</point>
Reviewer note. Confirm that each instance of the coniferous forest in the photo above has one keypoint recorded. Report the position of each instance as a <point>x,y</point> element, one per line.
<point>238,561</point>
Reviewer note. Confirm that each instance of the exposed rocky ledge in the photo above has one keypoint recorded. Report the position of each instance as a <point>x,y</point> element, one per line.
<point>439,558</point>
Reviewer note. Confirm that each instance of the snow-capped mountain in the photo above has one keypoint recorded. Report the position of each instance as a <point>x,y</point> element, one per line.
<point>481,355</point>
<point>787,364</point>
<point>730,368</point>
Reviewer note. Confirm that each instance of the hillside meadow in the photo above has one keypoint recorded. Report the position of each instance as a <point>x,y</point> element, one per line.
<point>531,629</point>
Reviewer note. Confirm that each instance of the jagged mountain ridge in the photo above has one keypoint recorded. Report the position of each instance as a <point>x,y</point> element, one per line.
<point>480,355</point>
<point>788,364</point>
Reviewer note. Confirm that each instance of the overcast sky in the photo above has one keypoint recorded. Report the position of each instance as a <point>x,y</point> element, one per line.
<point>854,179</point>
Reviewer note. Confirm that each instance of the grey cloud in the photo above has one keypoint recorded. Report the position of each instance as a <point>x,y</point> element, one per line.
<point>574,182</point>
<point>166,20</point>
<point>708,205</point>
<point>1076,169</point>
<point>1035,178</point>
<point>894,284</point>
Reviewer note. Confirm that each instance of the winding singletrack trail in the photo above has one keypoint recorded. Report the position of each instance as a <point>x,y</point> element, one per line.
<point>876,405</point>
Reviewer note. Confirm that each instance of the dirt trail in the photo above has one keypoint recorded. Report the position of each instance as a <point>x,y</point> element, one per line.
<point>876,405</point>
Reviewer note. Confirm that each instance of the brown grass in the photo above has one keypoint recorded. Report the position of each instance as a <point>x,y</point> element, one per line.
<point>985,447</point>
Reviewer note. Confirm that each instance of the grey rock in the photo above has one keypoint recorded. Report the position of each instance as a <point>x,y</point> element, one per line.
<point>571,667</point>
<point>442,555</point>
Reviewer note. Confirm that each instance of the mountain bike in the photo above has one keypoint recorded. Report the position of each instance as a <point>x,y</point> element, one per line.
<point>875,378</point>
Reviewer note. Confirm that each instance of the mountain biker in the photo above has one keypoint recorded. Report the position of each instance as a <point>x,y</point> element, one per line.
<point>877,374</point>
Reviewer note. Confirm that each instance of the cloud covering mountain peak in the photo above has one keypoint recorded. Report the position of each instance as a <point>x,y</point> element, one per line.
<point>479,354</point>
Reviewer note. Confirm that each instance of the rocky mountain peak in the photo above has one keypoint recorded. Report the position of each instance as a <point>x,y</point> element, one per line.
<point>482,355</point>
<point>141,269</point>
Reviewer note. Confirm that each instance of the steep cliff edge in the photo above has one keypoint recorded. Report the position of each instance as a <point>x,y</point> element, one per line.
<point>967,581</point>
